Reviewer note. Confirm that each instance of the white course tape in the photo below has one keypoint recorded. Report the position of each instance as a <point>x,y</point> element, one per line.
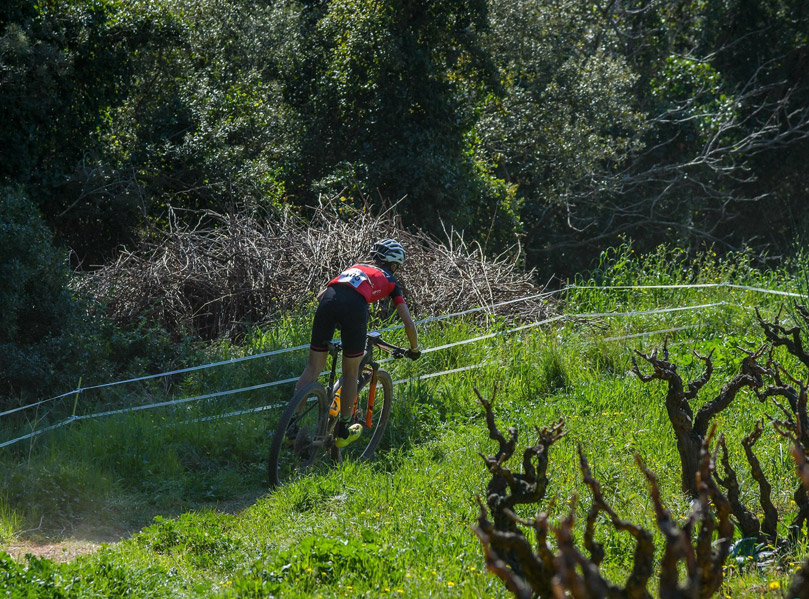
<point>419,377</point>
<point>589,315</point>
<point>147,407</point>
<point>268,354</point>
<point>690,286</point>
<point>281,405</point>
<point>649,333</point>
<point>398,327</point>
<point>154,376</point>
<point>574,317</point>
<point>422,377</point>
<point>38,432</point>
<point>237,413</point>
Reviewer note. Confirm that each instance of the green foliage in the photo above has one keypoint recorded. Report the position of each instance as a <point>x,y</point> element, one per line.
<point>558,122</point>
<point>669,265</point>
<point>39,312</point>
<point>329,559</point>
<point>105,576</point>
<point>49,336</point>
<point>65,70</point>
<point>716,80</point>
<point>389,101</point>
<point>9,521</point>
<point>565,113</point>
<point>200,538</point>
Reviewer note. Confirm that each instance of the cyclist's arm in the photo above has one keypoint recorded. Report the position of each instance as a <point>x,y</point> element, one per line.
<point>409,325</point>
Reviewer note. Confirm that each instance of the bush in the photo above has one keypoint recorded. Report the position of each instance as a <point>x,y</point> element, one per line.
<point>237,270</point>
<point>49,334</point>
<point>38,308</point>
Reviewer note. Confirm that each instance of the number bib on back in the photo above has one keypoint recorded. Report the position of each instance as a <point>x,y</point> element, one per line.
<point>353,277</point>
<point>370,282</point>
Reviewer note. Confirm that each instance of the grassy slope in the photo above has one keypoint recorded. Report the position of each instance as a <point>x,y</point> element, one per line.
<point>401,526</point>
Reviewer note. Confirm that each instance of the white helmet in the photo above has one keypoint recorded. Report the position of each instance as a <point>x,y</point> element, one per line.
<point>388,250</point>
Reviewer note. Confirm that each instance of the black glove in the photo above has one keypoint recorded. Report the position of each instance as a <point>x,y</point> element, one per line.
<point>413,354</point>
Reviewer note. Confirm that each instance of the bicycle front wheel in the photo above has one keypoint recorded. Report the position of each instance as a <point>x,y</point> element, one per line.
<point>301,438</point>
<point>373,421</point>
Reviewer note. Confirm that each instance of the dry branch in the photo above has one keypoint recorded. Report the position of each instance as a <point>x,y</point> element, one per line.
<point>238,270</point>
<point>790,338</point>
<point>546,570</point>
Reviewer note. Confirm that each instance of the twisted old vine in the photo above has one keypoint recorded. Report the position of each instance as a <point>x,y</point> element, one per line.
<point>694,553</point>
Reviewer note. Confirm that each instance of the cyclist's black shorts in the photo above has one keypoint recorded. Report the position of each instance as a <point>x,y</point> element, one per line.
<point>344,308</point>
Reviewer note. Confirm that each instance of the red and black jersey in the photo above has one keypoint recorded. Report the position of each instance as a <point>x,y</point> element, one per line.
<point>371,282</point>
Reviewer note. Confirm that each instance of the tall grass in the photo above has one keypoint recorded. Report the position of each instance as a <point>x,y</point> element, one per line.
<point>401,525</point>
<point>9,521</point>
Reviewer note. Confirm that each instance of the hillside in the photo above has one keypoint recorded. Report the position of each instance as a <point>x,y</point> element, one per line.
<point>403,524</point>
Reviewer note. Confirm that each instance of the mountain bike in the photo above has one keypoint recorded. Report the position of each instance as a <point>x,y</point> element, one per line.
<point>304,436</point>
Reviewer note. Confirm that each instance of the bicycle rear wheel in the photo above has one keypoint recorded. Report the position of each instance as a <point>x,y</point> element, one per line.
<point>301,438</point>
<point>360,450</point>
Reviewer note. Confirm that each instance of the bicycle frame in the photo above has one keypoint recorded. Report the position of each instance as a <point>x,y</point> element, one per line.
<point>367,371</point>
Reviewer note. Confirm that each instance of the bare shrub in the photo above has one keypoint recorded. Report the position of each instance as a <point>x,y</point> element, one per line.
<point>692,564</point>
<point>693,554</point>
<point>242,269</point>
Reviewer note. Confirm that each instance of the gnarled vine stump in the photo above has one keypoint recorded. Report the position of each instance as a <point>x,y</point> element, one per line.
<point>690,429</point>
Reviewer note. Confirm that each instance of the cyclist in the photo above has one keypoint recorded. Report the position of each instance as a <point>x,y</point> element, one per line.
<point>344,303</point>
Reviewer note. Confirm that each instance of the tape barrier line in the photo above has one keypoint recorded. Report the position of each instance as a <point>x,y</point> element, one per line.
<point>398,327</point>
<point>281,405</point>
<point>237,413</point>
<point>276,383</point>
<point>649,333</point>
<point>419,377</point>
<point>435,374</point>
<point>583,315</point>
<point>270,353</point>
<point>147,407</point>
<point>154,376</point>
<point>691,286</point>
<point>445,372</point>
<point>38,432</point>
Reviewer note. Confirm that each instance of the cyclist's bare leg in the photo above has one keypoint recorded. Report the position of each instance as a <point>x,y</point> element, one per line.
<point>351,368</point>
<point>315,364</point>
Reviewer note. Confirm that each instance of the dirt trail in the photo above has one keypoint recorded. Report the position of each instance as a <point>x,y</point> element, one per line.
<point>88,536</point>
<point>64,545</point>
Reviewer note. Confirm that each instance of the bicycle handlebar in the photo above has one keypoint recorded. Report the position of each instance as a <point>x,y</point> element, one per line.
<point>375,339</point>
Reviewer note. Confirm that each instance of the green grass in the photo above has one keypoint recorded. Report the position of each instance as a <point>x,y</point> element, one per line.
<point>401,525</point>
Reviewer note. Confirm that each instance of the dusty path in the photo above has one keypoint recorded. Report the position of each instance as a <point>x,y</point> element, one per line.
<point>63,551</point>
<point>64,545</point>
<point>88,536</point>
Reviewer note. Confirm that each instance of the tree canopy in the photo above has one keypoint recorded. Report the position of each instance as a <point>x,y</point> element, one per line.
<point>560,124</point>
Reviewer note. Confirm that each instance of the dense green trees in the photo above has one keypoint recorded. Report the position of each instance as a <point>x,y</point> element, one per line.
<point>392,98</point>
<point>46,329</point>
<point>723,88</point>
<point>65,72</point>
<point>667,121</point>
<point>561,123</point>
<point>566,121</point>
<point>37,307</point>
